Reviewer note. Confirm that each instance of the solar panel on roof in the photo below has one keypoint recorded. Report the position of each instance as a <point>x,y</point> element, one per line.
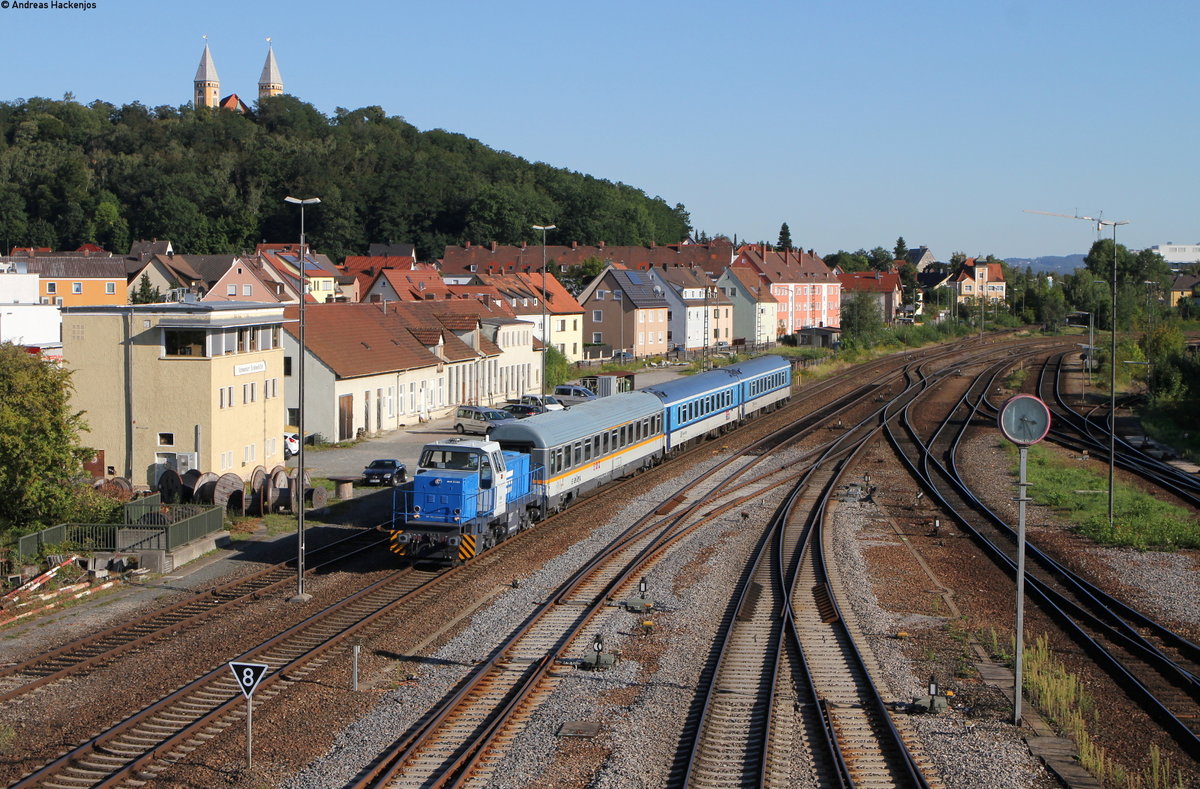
<point>635,277</point>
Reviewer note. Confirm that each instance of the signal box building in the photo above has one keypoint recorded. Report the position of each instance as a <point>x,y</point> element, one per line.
<point>182,385</point>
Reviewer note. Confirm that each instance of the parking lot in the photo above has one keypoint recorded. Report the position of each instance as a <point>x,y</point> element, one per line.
<point>405,444</point>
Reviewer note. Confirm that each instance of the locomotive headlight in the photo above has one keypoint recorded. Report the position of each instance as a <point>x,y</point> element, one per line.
<point>453,541</point>
<point>457,511</point>
<point>416,508</point>
<point>402,538</point>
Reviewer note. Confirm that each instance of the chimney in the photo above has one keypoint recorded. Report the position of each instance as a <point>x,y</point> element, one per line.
<point>602,245</point>
<point>522,246</point>
<point>467,245</point>
<point>574,245</point>
<point>493,246</point>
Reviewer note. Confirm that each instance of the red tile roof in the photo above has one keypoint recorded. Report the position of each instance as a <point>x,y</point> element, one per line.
<point>870,281</point>
<point>497,259</point>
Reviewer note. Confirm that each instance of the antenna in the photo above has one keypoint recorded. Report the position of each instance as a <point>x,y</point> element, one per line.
<point>1100,221</point>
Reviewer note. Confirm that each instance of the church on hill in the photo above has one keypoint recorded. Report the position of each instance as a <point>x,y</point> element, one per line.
<point>207,85</point>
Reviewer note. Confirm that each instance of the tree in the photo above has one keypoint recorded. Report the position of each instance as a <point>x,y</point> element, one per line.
<point>958,259</point>
<point>146,294</point>
<point>41,459</point>
<point>848,261</point>
<point>785,237</point>
<point>881,259</point>
<point>576,278</point>
<point>901,251</point>
<point>558,368</point>
<point>862,319</point>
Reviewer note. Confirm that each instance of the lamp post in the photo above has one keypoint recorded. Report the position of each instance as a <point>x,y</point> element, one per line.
<point>1112,389</point>
<point>301,596</point>
<point>545,326</point>
<point>1091,346</point>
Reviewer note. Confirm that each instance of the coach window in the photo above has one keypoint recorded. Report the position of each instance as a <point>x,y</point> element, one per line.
<point>587,450</point>
<point>603,443</point>
<point>578,454</point>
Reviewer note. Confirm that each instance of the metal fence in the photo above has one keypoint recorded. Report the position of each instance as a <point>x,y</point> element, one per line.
<point>148,525</point>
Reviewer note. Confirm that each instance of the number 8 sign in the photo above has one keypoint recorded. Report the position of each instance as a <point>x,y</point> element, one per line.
<point>248,675</point>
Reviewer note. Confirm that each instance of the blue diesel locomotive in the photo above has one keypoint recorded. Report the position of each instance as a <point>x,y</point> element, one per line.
<point>468,495</point>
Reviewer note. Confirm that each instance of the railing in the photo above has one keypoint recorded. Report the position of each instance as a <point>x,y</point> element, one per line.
<point>176,525</point>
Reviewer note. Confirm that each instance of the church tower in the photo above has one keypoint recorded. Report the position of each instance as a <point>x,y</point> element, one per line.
<point>269,82</point>
<point>207,83</point>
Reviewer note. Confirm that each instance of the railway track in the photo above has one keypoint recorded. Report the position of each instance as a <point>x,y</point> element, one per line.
<point>101,648</point>
<point>204,714</point>
<point>1155,666</point>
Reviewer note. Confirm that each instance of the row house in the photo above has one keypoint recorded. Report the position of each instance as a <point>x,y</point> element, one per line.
<point>755,308</point>
<point>407,285</point>
<point>700,316</point>
<point>534,298</point>
<point>978,280</point>
<point>283,264</point>
<point>512,259</point>
<point>178,385</point>
<point>627,311</point>
<point>808,293</point>
<point>883,288</point>
<point>376,366</point>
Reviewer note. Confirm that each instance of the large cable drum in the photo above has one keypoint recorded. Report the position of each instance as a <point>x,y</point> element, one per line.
<point>170,487</point>
<point>229,491</point>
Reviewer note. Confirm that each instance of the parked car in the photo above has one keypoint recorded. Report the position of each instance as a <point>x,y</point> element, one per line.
<point>385,471</point>
<point>622,356</point>
<point>548,402</point>
<point>569,394</point>
<point>479,419</point>
<point>291,444</point>
<point>522,410</point>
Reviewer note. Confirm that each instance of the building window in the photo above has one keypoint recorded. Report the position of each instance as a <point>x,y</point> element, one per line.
<point>77,288</point>
<point>617,295</point>
<point>183,342</point>
<point>247,290</point>
<point>597,316</point>
<point>597,337</point>
<point>166,439</point>
<point>51,287</point>
<point>287,366</point>
<point>110,288</point>
<point>231,290</point>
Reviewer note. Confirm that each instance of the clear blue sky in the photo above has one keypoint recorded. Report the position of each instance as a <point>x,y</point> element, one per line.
<point>854,122</point>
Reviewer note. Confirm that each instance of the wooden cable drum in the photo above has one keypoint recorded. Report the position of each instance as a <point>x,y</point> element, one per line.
<point>206,485</point>
<point>258,478</point>
<point>191,483</point>
<point>122,485</point>
<point>317,497</point>
<point>170,487</point>
<point>307,477</point>
<point>229,491</point>
<point>275,490</point>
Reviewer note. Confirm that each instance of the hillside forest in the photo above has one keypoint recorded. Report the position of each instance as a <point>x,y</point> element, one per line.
<point>213,181</point>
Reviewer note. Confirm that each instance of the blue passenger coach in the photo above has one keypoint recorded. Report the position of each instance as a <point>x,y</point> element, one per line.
<point>714,402</point>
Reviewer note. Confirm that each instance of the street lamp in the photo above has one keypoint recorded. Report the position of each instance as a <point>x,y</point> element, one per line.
<point>301,595</point>
<point>1112,389</point>
<point>545,326</point>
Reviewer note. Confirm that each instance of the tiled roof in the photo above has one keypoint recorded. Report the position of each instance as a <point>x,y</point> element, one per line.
<point>637,287</point>
<point>270,73</point>
<point>754,284</point>
<point>786,266</point>
<point>415,285</point>
<point>207,70</point>
<point>870,281</point>
<point>501,259</point>
<point>83,267</point>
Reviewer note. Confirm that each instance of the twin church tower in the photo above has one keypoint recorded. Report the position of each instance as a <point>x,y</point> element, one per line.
<point>208,85</point>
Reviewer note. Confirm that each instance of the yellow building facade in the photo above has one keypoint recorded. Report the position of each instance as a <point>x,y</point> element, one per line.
<point>182,386</point>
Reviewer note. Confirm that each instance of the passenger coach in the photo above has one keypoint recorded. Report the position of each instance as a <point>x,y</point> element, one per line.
<point>714,402</point>
<point>588,444</point>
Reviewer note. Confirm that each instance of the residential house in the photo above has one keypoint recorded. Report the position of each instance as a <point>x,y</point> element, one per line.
<point>407,285</point>
<point>281,262</point>
<point>375,367</point>
<point>78,281</point>
<point>809,294</point>
<point>700,316</point>
<point>626,311</point>
<point>524,295</point>
<point>937,292</point>
<point>921,258</point>
<point>755,308</point>
<point>171,275</point>
<point>365,268</point>
<point>977,280</point>
<point>883,287</point>
<point>1183,286</point>
<point>178,385</point>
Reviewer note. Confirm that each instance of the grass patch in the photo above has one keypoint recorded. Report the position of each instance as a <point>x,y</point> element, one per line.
<point>1139,520</point>
<point>1061,697</point>
<point>278,523</point>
